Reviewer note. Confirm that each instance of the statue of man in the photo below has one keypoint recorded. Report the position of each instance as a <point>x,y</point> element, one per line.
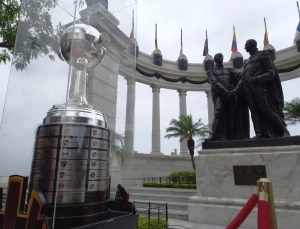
<point>231,118</point>
<point>263,91</point>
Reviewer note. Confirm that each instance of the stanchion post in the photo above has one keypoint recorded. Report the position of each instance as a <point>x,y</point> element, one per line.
<point>269,190</point>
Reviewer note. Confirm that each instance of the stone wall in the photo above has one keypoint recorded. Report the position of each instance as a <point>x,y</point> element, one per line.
<point>146,165</point>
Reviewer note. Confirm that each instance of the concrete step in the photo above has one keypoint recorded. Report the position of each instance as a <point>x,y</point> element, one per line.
<point>171,191</point>
<point>171,204</point>
<point>177,199</point>
<point>178,214</point>
<point>159,197</point>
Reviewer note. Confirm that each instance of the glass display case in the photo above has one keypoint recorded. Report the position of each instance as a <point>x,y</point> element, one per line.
<point>60,138</point>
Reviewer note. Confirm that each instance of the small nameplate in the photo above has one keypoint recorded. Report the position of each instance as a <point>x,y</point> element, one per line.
<point>248,174</point>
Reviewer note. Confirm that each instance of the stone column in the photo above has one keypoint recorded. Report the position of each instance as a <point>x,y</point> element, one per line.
<point>182,111</point>
<point>129,122</point>
<point>155,121</point>
<point>210,108</point>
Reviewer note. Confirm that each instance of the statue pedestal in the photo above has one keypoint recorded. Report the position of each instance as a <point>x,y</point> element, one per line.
<point>219,200</point>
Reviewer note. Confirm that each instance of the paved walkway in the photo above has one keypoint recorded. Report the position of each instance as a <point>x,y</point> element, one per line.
<point>182,224</point>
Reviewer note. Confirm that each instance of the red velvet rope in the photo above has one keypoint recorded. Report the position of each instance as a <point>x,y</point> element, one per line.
<point>244,212</point>
<point>263,216</point>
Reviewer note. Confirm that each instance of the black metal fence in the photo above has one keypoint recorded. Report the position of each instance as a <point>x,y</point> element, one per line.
<point>171,180</point>
<point>152,213</point>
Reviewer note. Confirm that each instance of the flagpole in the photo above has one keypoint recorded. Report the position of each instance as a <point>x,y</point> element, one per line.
<point>181,42</point>
<point>298,9</point>
<point>265,24</point>
<point>132,20</point>
<point>156,36</point>
<point>205,49</point>
<point>132,29</point>
<point>266,37</point>
<point>206,41</point>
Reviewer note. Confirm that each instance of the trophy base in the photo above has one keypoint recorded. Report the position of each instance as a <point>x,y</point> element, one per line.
<point>71,156</point>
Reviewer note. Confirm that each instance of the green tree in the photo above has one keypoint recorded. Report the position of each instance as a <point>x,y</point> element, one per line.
<point>292,111</point>
<point>37,36</point>
<point>186,128</point>
<point>9,14</point>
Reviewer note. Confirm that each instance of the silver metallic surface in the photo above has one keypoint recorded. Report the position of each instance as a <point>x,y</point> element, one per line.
<point>83,43</point>
<point>75,115</point>
<point>72,164</point>
<point>99,133</point>
<point>82,46</point>
<point>99,155</point>
<point>72,175</point>
<point>98,185</point>
<point>97,174</point>
<point>71,154</point>
<point>80,143</point>
<point>76,130</point>
<point>74,154</point>
<point>98,164</point>
<point>99,144</point>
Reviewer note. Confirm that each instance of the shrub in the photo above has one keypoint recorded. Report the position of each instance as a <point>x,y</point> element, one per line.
<point>185,177</point>
<point>154,223</point>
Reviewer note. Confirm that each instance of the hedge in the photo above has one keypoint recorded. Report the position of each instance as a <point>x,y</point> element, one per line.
<point>154,223</point>
<point>185,177</point>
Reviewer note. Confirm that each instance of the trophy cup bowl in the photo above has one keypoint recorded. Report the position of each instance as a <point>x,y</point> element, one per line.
<point>83,47</point>
<point>82,44</point>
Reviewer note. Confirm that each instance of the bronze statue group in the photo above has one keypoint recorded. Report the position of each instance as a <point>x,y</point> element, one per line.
<point>256,88</point>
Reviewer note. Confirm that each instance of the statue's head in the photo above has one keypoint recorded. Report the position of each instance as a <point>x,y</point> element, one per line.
<point>218,58</point>
<point>251,44</point>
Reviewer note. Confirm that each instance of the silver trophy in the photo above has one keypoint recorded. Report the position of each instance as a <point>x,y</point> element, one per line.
<point>71,156</point>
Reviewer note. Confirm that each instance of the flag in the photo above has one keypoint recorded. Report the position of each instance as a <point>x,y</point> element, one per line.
<point>297,32</point>
<point>266,38</point>
<point>298,27</point>
<point>132,30</point>
<point>181,43</point>
<point>233,45</point>
<point>205,49</point>
<point>156,36</point>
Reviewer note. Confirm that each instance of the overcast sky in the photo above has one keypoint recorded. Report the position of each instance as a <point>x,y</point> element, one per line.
<point>194,17</point>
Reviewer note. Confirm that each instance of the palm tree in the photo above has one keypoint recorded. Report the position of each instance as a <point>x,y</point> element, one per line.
<point>185,128</point>
<point>292,111</point>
